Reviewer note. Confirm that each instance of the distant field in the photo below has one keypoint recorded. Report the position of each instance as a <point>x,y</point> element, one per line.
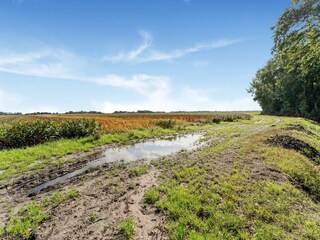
<point>123,122</point>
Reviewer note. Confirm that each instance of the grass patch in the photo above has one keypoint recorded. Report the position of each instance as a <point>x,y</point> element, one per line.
<point>93,217</point>
<point>300,168</point>
<point>127,227</point>
<point>24,222</point>
<point>152,195</point>
<point>205,198</point>
<point>139,170</point>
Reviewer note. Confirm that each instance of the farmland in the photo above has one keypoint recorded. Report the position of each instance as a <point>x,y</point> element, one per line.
<point>123,122</point>
<point>252,177</point>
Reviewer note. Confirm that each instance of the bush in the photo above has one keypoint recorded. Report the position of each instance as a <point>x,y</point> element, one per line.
<point>25,134</point>
<point>166,123</point>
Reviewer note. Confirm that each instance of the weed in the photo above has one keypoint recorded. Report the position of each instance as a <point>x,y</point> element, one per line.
<point>140,170</point>
<point>127,227</point>
<point>25,221</point>
<point>152,195</point>
<point>93,217</point>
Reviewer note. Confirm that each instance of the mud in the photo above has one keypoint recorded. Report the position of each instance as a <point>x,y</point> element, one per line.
<point>299,128</point>
<point>111,200</point>
<point>70,163</point>
<point>289,142</point>
<point>148,150</point>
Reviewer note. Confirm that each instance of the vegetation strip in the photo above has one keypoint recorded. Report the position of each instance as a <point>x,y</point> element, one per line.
<point>205,198</point>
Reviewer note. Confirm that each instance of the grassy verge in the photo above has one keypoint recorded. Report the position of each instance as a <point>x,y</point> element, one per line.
<point>304,171</point>
<point>213,196</point>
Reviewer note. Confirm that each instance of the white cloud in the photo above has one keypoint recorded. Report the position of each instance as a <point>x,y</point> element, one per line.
<point>155,90</point>
<point>146,85</point>
<point>50,63</point>
<point>135,53</point>
<point>60,64</point>
<point>146,53</point>
<point>188,99</point>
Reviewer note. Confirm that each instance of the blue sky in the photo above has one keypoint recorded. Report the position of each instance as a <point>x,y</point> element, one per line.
<point>161,55</point>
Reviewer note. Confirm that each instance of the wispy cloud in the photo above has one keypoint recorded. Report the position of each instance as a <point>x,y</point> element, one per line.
<point>50,63</point>
<point>61,64</point>
<point>146,85</point>
<point>145,52</point>
<point>156,91</point>
<point>182,102</point>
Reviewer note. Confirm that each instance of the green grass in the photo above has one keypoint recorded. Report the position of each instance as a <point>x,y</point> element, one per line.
<point>93,217</point>
<point>301,169</point>
<point>24,222</point>
<point>204,198</point>
<point>127,227</point>
<point>151,196</point>
<point>139,170</point>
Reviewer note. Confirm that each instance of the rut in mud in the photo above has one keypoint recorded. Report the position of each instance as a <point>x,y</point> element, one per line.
<point>292,143</point>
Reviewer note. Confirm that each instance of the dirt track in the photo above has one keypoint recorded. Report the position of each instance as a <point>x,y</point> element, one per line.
<point>105,200</point>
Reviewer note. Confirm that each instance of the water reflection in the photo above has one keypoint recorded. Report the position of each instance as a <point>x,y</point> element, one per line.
<point>146,150</point>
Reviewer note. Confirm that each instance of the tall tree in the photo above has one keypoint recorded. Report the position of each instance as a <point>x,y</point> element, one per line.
<point>289,84</point>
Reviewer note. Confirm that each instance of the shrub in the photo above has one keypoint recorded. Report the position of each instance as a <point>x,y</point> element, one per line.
<point>24,134</point>
<point>166,123</point>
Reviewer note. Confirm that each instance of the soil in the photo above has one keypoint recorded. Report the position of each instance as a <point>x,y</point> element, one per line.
<point>292,143</point>
<point>299,128</point>
<point>111,204</point>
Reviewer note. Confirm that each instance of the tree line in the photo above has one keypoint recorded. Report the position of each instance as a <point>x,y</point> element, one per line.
<point>289,83</point>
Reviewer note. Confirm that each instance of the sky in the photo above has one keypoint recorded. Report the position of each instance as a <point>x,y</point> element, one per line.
<point>129,55</point>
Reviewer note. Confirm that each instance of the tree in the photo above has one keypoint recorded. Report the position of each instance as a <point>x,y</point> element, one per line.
<point>289,84</point>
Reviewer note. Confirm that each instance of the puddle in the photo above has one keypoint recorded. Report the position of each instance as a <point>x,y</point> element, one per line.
<point>147,150</point>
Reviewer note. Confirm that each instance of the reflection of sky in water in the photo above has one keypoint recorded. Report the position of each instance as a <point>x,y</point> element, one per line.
<point>149,150</point>
<point>146,150</point>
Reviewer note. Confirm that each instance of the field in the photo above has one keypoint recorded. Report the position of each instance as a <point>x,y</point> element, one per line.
<point>252,177</point>
<point>123,122</point>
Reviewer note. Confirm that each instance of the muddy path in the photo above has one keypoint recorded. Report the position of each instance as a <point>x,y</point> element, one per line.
<point>112,193</point>
<point>102,205</point>
<point>71,163</point>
